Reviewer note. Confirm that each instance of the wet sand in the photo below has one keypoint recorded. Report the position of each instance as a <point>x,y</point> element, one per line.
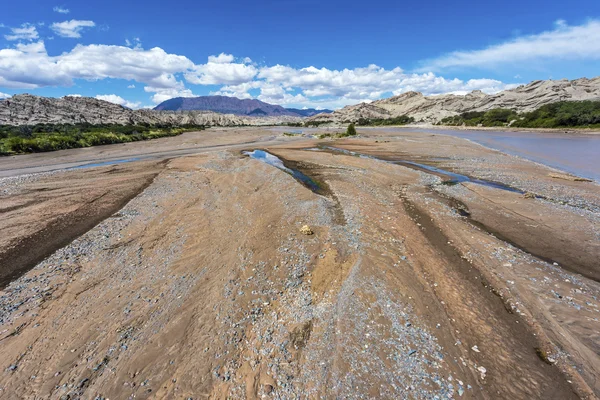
<point>203,284</point>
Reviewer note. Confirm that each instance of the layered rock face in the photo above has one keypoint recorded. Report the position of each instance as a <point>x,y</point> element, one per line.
<point>27,109</point>
<point>434,108</point>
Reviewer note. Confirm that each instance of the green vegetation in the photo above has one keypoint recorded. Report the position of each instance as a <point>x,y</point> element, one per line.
<point>351,130</point>
<point>51,137</point>
<point>401,120</point>
<point>494,117</point>
<point>315,123</point>
<point>564,114</point>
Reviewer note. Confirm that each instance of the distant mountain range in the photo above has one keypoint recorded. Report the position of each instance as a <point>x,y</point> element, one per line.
<point>233,105</point>
<point>308,112</point>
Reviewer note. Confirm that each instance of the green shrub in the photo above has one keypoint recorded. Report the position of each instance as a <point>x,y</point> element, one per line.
<point>351,130</point>
<point>400,120</point>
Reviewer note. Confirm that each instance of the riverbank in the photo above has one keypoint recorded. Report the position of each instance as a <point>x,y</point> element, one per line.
<point>208,284</point>
<point>585,131</point>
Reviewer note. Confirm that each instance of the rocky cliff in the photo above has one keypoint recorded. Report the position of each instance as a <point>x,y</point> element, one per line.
<point>433,108</point>
<point>27,109</point>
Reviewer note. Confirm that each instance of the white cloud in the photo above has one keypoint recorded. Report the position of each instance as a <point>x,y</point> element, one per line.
<point>72,28</point>
<point>162,94</point>
<point>4,95</point>
<point>564,42</point>
<point>30,66</point>
<point>61,10</point>
<point>221,59</point>
<point>322,87</point>
<point>132,86</point>
<point>25,32</point>
<point>221,70</point>
<point>113,98</point>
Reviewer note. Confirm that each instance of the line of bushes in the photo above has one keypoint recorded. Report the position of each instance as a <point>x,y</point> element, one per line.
<point>401,120</point>
<point>563,114</point>
<point>49,137</point>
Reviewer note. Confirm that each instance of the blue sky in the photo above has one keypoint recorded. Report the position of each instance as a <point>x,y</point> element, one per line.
<point>294,53</point>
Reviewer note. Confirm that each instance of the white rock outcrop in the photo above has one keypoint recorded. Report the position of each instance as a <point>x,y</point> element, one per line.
<point>434,108</point>
<point>26,109</point>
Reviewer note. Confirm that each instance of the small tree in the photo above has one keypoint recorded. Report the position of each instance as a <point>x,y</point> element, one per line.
<point>351,131</point>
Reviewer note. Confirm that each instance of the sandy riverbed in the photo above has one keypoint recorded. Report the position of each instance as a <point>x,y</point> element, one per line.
<point>203,285</point>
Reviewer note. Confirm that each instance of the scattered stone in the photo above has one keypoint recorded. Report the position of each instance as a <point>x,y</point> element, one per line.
<point>482,371</point>
<point>268,389</point>
<point>305,230</point>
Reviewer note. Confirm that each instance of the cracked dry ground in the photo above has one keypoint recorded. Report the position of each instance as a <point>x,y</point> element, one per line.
<point>203,286</point>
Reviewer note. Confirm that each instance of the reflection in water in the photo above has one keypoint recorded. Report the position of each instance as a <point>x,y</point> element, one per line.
<point>275,161</point>
<point>105,163</point>
<point>454,177</point>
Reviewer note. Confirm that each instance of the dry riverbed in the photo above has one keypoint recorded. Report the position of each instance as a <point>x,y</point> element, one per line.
<point>190,273</point>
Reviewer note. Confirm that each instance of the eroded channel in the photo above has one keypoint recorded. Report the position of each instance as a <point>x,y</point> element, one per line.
<point>448,176</point>
<point>546,248</point>
<point>293,168</point>
<point>273,160</point>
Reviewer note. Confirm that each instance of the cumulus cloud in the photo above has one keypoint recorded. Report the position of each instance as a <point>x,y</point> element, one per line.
<point>25,32</point>
<point>221,59</point>
<point>29,66</point>
<point>72,28</point>
<point>113,98</point>
<point>4,96</point>
<point>61,10</point>
<point>564,42</point>
<point>162,94</point>
<point>323,87</point>
<point>132,86</point>
<point>221,70</point>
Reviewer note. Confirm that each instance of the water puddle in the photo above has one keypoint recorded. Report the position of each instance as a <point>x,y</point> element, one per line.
<point>276,162</point>
<point>458,178</point>
<point>105,163</point>
<point>454,178</point>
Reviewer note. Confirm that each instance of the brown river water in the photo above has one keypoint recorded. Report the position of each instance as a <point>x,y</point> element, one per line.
<point>577,154</point>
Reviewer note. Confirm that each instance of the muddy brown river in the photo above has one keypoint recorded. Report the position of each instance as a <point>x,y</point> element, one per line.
<point>578,154</point>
